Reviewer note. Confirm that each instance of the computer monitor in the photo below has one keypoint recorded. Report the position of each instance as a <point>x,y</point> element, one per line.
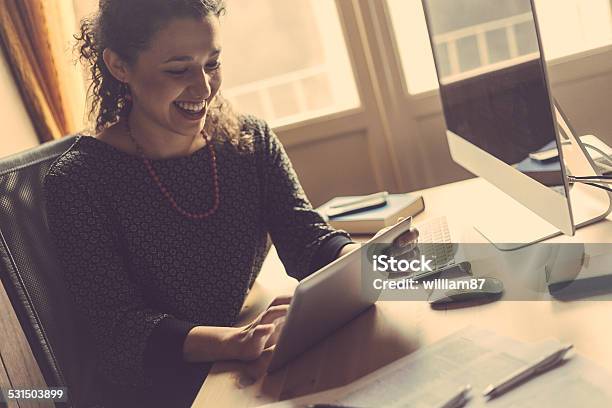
<point>502,123</point>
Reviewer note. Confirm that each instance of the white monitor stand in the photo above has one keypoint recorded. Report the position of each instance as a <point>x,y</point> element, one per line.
<point>512,225</point>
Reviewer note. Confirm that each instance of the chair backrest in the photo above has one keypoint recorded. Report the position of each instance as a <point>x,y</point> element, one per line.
<point>32,277</point>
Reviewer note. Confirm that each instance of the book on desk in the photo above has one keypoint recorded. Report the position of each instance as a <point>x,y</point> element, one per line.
<point>372,220</point>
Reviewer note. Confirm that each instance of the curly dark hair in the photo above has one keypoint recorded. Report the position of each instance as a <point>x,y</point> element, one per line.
<point>126,27</point>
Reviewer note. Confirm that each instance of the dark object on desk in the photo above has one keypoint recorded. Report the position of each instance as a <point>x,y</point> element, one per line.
<point>574,275</point>
<point>581,288</point>
<point>487,289</point>
<point>373,219</point>
<point>458,270</point>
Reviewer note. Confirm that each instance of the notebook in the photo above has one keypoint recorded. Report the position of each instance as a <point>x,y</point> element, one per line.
<point>371,221</point>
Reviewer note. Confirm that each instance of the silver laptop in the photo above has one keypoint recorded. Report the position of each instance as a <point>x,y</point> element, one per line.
<point>327,300</point>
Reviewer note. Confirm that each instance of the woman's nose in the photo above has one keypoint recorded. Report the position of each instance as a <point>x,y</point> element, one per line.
<point>201,85</point>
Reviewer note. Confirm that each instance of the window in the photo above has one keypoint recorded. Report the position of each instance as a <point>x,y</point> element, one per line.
<point>572,26</point>
<point>499,32</point>
<point>286,61</point>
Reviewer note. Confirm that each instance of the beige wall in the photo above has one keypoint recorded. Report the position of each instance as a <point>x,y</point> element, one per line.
<point>339,165</point>
<point>17,130</point>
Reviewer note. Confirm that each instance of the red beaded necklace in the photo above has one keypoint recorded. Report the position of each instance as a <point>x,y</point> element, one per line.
<point>164,190</point>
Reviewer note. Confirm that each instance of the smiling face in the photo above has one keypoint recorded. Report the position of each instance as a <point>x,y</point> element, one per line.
<point>174,80</point>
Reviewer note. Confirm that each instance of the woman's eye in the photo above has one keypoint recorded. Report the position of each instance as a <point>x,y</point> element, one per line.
<point>213,65</point>
<point>209,67</point>
<point>179,72</point>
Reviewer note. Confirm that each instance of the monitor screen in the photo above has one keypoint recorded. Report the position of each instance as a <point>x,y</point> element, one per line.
<point>493,82</point>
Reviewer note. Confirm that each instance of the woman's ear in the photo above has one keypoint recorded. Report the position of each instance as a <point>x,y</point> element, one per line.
<point>115,64</point>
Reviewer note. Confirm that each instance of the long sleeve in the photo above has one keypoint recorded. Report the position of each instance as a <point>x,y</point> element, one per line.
<point>297,230</point>
<point>96,274</point>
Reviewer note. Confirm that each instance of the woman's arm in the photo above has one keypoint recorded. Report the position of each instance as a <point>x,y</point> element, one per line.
<point>304,241</point>
<point>207,343</point>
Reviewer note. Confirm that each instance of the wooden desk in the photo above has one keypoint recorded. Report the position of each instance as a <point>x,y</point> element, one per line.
<point>393,329</point>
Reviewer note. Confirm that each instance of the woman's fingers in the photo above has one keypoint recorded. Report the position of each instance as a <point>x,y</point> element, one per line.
<point>263,330</point>
<point>273,339</point>
<point>255,342</point>
<point>273,313</point>
<point>269,315</point>
<point>264,334</point>
<point>282,300</point>
<point>260,336</point>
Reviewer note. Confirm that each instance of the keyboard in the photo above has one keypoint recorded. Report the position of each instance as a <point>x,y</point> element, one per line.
<point>435,242</point>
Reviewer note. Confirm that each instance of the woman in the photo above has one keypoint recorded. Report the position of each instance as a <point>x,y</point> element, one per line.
<point>161,219</point>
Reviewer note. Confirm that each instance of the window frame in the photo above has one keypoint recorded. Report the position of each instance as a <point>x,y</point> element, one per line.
<point>580,70</point>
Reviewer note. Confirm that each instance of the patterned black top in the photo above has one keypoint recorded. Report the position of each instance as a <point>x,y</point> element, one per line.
<point>142,274</point>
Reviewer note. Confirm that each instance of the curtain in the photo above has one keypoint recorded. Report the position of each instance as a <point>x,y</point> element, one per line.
<point>35,36</point>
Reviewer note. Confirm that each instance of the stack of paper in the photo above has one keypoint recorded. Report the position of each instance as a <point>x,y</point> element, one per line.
<point>430,376</point>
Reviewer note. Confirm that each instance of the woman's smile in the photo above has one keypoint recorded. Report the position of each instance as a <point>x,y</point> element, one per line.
<point>193,111</point>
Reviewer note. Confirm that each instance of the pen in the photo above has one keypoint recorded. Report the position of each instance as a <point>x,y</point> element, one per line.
<point>459,399</point>
<point>382,194</point>
<point>524,373</point>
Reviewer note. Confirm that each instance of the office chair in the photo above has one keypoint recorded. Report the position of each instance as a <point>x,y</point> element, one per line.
<point>33,280</point>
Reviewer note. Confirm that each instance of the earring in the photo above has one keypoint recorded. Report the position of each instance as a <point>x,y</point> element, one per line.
<point>126,91</point>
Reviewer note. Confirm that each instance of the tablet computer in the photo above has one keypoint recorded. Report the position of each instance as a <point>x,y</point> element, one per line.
<point>328,299</point>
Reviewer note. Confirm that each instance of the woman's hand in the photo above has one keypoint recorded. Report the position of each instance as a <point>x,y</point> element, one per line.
<point>215,343</point>
<point>249,342</point>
